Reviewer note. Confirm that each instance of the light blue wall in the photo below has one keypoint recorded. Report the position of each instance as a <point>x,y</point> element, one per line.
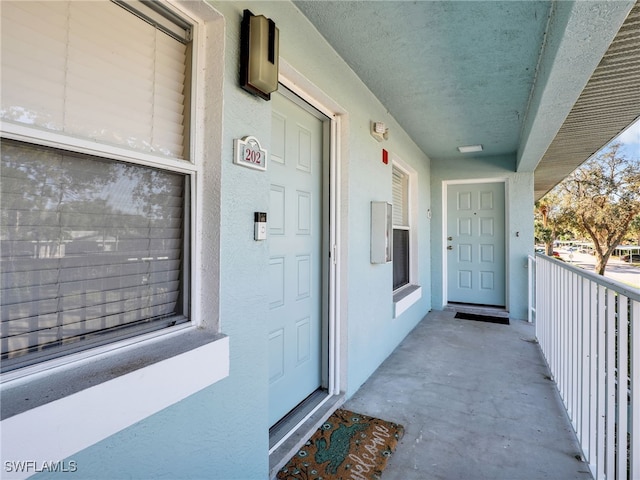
<point>519,222</point>
<point>373,334</point>
<point>222,431</point>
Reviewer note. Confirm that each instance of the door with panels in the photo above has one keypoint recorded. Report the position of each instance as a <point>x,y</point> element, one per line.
<point>295,236</point>
<point>476,243</point>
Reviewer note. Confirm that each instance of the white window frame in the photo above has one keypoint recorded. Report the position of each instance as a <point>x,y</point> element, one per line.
<point>407,295</point>
<point>109,377</point>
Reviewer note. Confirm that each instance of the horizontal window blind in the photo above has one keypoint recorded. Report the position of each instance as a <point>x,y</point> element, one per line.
<point>399,194</point>
<point>88,247</point>
<point>94,70</point>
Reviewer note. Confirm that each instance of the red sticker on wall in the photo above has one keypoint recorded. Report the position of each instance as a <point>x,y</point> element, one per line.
<point>385,156</point>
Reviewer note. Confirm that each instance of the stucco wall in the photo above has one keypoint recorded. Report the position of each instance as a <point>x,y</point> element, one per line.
<point>519,222</point>
<point>222,431</point>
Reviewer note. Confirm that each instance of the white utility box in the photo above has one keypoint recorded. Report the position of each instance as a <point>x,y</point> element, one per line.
<point>381,232</point>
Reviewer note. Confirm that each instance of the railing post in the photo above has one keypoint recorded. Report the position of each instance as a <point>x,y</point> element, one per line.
<point>531,277</point>
<point>634,448</point>
<point>610,433</point>
<point>623,358</point>
<point>588,328</point>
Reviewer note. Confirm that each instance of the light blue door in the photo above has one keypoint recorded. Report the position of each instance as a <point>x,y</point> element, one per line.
<point>476,243</point>
<point>295,247</point>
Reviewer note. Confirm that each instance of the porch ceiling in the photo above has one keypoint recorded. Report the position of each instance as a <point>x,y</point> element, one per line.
<point>507,75</point>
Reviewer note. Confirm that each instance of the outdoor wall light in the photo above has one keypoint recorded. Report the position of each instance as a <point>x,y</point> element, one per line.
<point>259,53</point>
<point>379,131</point>
<point>470,148</point>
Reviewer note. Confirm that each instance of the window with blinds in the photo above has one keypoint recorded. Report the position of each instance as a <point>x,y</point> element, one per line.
<point>95,70</point>
<point>92,249</point>
<point>401,229</point>
<point>89,247</point>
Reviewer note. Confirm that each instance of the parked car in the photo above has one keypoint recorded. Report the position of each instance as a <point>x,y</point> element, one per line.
<point>634,257</point>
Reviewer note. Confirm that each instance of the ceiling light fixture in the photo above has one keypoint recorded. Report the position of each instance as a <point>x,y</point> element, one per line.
<point>470,148</point>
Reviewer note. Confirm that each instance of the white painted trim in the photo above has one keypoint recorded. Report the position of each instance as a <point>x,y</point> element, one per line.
<point>48,138</point>
<point>335,237</point>
<point>412,214</point>
<point>405,302</point>
<point>445,186</point>
<point>306,90</point>
<point>98,412</point>
<point>66,362</point>
<point>303,88</point>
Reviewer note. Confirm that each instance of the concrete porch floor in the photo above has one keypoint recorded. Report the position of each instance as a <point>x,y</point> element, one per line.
<point>476,402</point>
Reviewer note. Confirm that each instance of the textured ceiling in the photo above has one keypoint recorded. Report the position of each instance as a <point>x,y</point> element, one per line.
<point>502,74</point>
<point>452,73</point>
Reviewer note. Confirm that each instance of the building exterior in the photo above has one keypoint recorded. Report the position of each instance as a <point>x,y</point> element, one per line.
<point>231,332</point>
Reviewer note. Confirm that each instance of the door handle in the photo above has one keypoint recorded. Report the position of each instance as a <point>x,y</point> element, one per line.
<point>449,247</point>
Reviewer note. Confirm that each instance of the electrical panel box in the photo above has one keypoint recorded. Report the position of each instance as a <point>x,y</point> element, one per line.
<point>381,232</point>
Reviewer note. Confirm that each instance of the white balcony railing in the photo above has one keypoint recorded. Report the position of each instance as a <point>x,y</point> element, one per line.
<point>588,328</point>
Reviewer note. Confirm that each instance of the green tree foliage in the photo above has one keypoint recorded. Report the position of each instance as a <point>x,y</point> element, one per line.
<point>634,229</point>
<point>604,194</point>
<point>552,220</point>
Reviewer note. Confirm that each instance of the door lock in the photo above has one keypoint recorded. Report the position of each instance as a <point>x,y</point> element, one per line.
<point>449,238</point>
<point>449,247</point>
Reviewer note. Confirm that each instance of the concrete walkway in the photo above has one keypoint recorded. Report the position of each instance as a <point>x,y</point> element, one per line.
<point>476,402</point>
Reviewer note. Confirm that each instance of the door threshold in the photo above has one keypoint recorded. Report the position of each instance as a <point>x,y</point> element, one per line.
<point>289,434</point>
<point>489,310</point>
<point>295,416</point>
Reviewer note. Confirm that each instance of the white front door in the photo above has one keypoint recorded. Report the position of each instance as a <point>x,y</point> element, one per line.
<point>295,249</point>
<point>476,243</point>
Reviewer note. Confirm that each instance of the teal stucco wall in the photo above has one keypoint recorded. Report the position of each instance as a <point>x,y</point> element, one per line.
<point>519,222</point>
<point>222,431</point>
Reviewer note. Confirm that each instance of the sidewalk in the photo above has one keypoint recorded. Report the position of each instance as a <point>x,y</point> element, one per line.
<point>476,402</point>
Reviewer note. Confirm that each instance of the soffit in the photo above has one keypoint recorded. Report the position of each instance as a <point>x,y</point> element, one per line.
<point>609,103</point>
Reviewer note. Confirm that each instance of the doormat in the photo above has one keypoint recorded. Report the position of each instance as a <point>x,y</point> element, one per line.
<point>482,318</point>
<point>348,446</point>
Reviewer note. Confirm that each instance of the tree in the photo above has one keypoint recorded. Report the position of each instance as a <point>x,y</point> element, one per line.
<point>634,229</point>
<point>551,220</point>
<point>604,193</point>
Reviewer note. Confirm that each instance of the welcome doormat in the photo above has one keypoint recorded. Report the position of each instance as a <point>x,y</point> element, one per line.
<point>348,446</point>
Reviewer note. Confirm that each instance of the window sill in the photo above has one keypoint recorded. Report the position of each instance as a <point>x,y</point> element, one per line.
<point>404,297</point>
<point>125,385</point>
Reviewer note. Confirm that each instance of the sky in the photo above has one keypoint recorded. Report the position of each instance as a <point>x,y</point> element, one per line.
<point>630,138</point>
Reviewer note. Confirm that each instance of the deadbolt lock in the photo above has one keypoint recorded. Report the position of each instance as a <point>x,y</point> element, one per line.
<point>449,238</point>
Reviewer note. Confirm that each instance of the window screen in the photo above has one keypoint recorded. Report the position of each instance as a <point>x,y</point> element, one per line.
<point>89,248</point>
<point>400,258</point>
<point>92,249</point>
